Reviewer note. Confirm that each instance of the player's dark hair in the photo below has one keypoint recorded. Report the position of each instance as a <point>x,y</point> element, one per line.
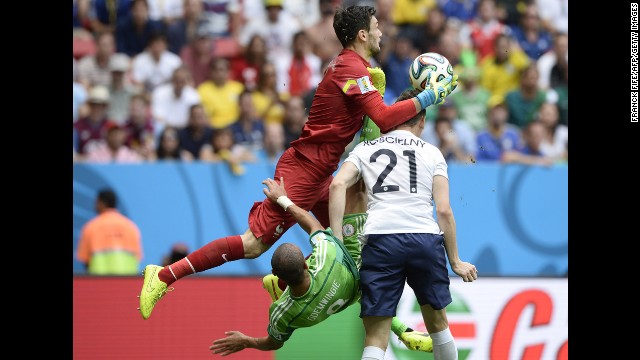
<point>347,22</point>
<point>287,263</point>
<point>408,94</point>
<point>108,198</point>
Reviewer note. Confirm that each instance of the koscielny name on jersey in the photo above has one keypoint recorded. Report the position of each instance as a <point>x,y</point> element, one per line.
<point>395,140</point>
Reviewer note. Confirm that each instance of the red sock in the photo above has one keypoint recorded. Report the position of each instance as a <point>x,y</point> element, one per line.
<point>213,254</point>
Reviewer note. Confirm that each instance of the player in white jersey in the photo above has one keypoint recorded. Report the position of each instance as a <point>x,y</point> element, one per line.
<point>403,174</point>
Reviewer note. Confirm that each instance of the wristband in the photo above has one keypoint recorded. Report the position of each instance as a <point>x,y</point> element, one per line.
<point>426,98</point>
<point>284,201</point>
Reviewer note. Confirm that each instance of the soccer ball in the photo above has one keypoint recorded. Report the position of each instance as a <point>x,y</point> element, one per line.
<point>427,65</point>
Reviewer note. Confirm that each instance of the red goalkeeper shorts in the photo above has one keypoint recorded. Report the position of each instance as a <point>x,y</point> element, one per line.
<point>307,185</point>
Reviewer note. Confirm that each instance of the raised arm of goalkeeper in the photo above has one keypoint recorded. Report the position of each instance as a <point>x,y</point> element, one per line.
<point>386,117</point>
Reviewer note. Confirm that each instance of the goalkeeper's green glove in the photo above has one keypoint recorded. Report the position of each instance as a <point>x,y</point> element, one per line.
<point>437,91</point>
<point>378,79</point>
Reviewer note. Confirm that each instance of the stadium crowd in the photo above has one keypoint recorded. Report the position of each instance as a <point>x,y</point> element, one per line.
<point>232,80</point>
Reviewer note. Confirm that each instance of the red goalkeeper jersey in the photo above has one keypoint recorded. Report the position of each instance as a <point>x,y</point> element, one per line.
<point>342,98</point>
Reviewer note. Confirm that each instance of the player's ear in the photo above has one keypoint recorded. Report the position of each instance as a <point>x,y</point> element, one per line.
<point>306,266</point>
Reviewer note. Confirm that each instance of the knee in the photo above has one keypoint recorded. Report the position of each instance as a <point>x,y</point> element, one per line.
<point>253,247</point>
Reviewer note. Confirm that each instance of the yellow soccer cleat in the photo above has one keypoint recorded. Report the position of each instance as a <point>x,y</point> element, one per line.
<point>418,341</point>
<point>153,289</point>
<point>270,283</point>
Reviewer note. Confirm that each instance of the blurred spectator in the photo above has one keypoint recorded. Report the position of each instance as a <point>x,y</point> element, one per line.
<point>197,57</point>
<point>120,89</point>
<point>433,28</point>
<point>248,131</point>
<point>466,137</point>
<point>112,148</point>
<point>79,95</point>
<point>556,141</point>
<point>76,142</point>
<point>530,34</point>
<point>219,95</point>
<point>324,42</point>
<point>81,14</point>
<point>559,53</point>
<point>178,251</point>
<point>155,65</point>
<point>245,67</point>
<point>93,127</point>
<point>197,132</point>
<point>463,10</point>
<point>554,15</point>
<point>480,33</point>
<point>167,11</point>
<point>169,147</point>
<point>187,28</point>
<point>223,18</point>
<point>299,72</point>
<point>105,14</point>
<point>509,10</point>
<point>135,31</point>
<point>273,146</point>
<point>524,102</point>
<point>95,69</point>
<point>449,47</point>
<point>269,102</point>
<point>277,27</point>
<point>170,102</point>
<point>411,15</point>
<point>295,117</point>
<point>305,12</point>
<point>395,67</point>
<point>448,142</point>
<point>110,243</point>
<point>530,153</point>
<point>499,136</point>
<point>501,71</point>
<point>470,99</point>
<point>139,128</point>
<point>222,148</point>
<point>560,89</point>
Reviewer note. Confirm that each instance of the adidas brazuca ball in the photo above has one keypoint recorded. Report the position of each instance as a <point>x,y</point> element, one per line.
<point>427,65</point>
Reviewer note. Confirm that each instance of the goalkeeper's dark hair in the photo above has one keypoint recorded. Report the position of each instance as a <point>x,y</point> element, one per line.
<point>287,263</point>
<point>347,22</point>
<point>408,94</point>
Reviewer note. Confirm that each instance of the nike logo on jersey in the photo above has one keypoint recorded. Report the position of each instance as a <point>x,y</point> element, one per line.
<point>224,256</point>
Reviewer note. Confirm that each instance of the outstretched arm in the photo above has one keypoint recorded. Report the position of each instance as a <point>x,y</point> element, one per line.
<point>346,177</point>
<point>447,223</point>
<point>276,193</point>
<point>237,341</point>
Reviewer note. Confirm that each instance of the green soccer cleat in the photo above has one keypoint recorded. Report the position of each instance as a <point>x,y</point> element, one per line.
<point>415,340</point>
<point>270,283</point>
<point>153,289</point>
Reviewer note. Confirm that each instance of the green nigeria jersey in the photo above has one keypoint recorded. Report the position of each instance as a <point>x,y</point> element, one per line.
<point>334,286</point>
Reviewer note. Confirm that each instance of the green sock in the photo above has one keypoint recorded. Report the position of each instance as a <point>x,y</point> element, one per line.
<point>397,326</point>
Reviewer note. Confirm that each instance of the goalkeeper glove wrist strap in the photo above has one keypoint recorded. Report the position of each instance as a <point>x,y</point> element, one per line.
<point>426,98</point>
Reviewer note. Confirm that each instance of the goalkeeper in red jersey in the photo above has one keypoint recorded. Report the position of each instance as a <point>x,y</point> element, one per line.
<point>343,97</point>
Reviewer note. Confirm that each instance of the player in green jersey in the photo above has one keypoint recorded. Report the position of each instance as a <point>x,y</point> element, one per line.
<point>324,284</point>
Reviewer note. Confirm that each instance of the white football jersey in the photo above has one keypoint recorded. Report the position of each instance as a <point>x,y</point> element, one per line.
<point>398,170</point>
